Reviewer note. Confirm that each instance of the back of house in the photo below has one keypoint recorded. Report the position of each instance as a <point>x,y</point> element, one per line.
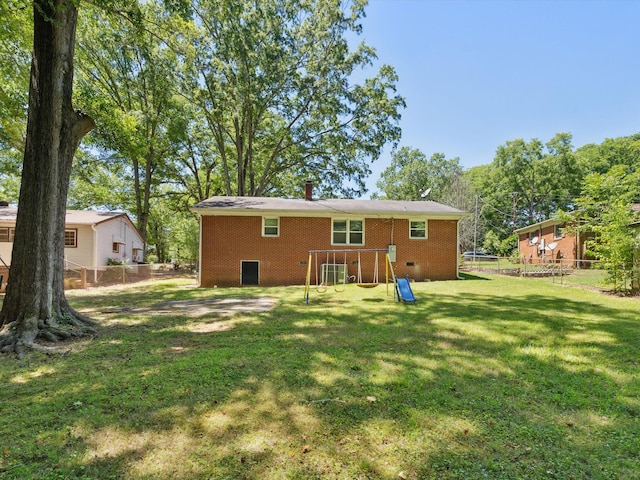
<point>266,241</point>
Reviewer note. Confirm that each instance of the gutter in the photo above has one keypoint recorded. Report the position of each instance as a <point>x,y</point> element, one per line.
<point>95,253</point>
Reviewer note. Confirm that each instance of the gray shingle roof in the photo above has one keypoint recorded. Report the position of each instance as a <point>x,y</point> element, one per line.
<point>73,217</point>
<point>258,205</point>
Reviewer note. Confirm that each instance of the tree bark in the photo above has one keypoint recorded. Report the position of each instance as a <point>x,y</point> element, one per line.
<point>35,306</point>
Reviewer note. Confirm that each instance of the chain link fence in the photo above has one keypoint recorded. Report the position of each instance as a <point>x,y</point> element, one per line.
<point>79,277</point>
<point>564,271</point>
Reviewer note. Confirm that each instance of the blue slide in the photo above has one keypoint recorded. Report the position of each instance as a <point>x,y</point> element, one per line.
<point>404,290</point>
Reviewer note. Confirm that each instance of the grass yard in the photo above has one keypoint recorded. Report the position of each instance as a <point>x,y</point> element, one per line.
<point>489,377</point>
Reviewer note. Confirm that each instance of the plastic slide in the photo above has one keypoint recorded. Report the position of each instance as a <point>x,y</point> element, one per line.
<point>404,290</point>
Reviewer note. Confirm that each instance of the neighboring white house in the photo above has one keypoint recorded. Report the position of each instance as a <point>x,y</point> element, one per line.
<point>91,238</point>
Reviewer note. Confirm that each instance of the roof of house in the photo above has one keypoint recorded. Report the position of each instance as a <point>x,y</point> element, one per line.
<point>537,226</point>
<point>73,217</point>
<point>322,207</point>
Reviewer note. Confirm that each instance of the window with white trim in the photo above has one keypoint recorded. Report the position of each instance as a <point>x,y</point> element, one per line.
<point>270,227</point>
<point>418,229</point>
<point>71,238</point>
<point>347,232</point>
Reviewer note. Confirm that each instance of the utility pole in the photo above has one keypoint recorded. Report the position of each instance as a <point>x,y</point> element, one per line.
<point>475,230</point>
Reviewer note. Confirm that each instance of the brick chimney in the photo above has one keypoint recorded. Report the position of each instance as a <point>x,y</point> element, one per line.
<point>308,190</point>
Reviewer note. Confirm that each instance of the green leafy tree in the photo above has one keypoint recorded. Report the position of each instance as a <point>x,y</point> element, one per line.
<point>527,182</point>
<point>275,82</point>
<point>605,207</point>
<point>411,173</point>
<point>15,55</point>
<point>126,80</point>
<point>602,157</point>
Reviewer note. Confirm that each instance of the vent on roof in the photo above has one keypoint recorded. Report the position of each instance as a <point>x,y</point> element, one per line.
<point>308,190</point>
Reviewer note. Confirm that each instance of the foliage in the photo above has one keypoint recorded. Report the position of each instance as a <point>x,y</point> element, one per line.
<point>605,207</point>
<point>126,80</point>
<point>15,56</point>
<point>275,83</point>
<point>411,174</point>
<point>540,383</point>
<point>116,261</point>
<point>491,243</point>
<point>528,181</point>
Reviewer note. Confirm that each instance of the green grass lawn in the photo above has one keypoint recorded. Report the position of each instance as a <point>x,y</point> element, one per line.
<point>489,377</point>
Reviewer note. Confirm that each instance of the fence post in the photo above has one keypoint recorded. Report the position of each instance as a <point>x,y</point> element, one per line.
<point>124,280</point>
<point>83,278</point>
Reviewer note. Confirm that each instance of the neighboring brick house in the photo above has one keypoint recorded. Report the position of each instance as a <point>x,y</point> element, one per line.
<point>548,241</point>
<point>266,241</point>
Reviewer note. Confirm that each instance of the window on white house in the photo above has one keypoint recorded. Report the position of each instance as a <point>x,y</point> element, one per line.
<point>71,238</point>
<point>270,227</point>
<point>348,232</point>
<point>418,229</point>
<point>7,234</point>
<point>115,247</point>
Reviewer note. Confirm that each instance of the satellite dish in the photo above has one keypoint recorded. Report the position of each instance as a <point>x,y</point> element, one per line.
<point>552,246</point>
<point>534,240</point>
<point>426,193</point>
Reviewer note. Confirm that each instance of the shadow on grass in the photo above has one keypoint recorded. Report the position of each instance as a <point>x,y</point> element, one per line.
<point>461,385</point>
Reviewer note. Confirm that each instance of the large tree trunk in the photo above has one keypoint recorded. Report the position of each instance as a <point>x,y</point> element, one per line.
<point>35,305</point>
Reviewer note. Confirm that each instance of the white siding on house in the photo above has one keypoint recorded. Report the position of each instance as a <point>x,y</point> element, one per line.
<point>96,234</point>
<point>83,253</point>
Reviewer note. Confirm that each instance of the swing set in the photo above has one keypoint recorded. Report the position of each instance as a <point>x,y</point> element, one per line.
<point>333,273</point>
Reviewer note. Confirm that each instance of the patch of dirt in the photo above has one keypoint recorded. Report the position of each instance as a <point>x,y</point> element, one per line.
<point>202,306</point>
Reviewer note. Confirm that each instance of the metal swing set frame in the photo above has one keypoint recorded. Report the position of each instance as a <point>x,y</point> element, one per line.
<point>337,273</point>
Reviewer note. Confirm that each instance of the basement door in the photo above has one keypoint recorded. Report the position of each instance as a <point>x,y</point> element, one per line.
<point>250,272</point>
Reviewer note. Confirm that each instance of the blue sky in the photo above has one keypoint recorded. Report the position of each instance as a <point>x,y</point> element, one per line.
<point>476,74</point>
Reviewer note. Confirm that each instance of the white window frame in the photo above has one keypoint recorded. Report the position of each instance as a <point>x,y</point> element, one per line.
<point>426,228</point>
<point>348,231</point>
<point>265,226</point>
<point>75,237</point>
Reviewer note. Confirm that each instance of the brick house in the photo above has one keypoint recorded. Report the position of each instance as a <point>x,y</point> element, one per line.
<point>548,241</point>
<point>266,241</point>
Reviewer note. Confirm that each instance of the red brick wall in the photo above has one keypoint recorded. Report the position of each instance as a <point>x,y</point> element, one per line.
<point>228,240</point>
<point>565,249</point>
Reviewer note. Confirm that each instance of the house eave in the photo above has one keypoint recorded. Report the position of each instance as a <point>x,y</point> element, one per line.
<point>538,226</point>
<point>250,206</point>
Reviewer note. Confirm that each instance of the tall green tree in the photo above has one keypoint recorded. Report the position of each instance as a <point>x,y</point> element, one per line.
<point>527,182</point>
<point>35,304</point>
<point>411,173</point>
<point>127,79</point>
<point>599,158</point>
<point>16,38</point>
<point>605,208</point>
<point>275,82</point>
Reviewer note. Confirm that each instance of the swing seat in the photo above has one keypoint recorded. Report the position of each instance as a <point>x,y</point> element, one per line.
<point>367,285</point>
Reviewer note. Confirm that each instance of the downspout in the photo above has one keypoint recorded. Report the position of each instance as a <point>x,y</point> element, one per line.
<point>200,254</point>
<point>94,262</point>
<point>458,251</point>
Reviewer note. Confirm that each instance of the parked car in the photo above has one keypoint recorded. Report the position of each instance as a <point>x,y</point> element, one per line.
<point>478,257</point>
